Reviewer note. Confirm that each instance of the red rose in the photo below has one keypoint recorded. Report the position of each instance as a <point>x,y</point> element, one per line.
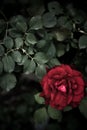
<point>63,86</point>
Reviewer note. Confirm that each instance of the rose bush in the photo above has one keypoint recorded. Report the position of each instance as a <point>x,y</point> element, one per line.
<point>63,86</point>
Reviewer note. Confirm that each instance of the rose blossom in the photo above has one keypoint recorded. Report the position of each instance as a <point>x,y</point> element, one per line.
<point>62,86</point>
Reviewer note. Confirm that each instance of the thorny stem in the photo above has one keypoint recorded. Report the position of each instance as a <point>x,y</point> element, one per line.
<point>3,15</point>
<point>81,31</point>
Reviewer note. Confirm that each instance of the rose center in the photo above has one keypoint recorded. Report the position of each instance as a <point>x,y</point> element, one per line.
<point>62,88</point>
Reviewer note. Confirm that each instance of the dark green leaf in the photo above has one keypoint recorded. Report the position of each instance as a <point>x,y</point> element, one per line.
<point>31,50</point>
<point>67,47</point>
<point>35,22</point>
<point>53,62</point>
<point>60,50</point>
<point>40,71</point>
<point>54,113</point>
<point>14,33</point>
<point>68,25</point>
<point>8,81</point>
<point>39,99</point>
<point>31,39</point>
<point>67,108</point>
<point>1,67</point>
<point>51,50</point>
<point>55,7</point>
<point>71,9</point>
<point>83,107</point>
<point>61,34</point>
<point>74,43</point>
<point>40,116</point>
<point>19,22</point>
<point>41,58</point>
<point>24,59</point>
<point>41,43</point>
<point>17,57</point>
<point>18,42</point>
<point>8,63</point>
<point>83,42</point>
<point>80,17</point>
<point>2,50</point>
<point>29,66</point>
<point>8,42</point>
<point>62,20</point>
<point>49,20</point>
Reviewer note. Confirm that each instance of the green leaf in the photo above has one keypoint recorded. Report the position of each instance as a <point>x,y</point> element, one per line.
<point>51,52</point>
<point>67,47</point>
<point>53,62</point>
<point>49,20</point>
<point>83,42</point>
<point>60,50</point>
<point>1,67</point>
<point>71,9</point>
<point>83,107</point>
<point>41,58</point>
<point>8,64</point>
<point>14,33</point>
<point>31,50</point>
<point>62,20</point>
<point>40,71</point>
<point>24,59</point>
<point>39,99</point>
<point>17,57</point>
<point>19,22</point>
<point>18,42</point>
<point>61,34</point>
<point>74,43</point>
<point>31,39</point>
<point>68,25</point>
<point>80,17</point>
<point>29,66</point>
<point>2,50</point>
<point>54,113</point>
<point>55,8</point>
<point>41,43</point>
<point>8,42</point>
<point>67,108</point>
<point>40,116</point>
<point>35,22</point>
<point>8,81</point>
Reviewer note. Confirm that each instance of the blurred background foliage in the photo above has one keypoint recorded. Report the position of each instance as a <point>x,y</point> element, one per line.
<point>22,36</point>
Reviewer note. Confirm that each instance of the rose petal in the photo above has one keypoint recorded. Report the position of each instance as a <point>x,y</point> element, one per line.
<point>69,99</point>
<point>68,69</point>
<point>80,85</point>
<point>60,100</point>
<point>56,71</point>
<point>74,104</point>
<point>76,73</point>
<point>77,98</point>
